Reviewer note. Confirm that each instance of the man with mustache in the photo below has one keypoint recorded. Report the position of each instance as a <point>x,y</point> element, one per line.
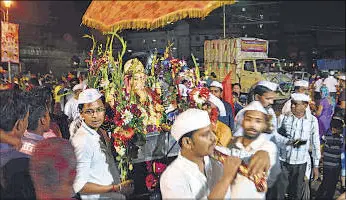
<point>300,87</point>
<point>253,124</point>
<point>194,175</point>
<point>97,174</point>
<point>298,132</point>
<point>265,93</point>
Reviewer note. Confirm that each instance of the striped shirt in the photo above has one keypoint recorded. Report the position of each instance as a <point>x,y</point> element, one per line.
<point>332,150</point>
<point>304,129</point>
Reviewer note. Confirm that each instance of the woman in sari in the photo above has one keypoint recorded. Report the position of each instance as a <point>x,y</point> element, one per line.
<point>325,111</point>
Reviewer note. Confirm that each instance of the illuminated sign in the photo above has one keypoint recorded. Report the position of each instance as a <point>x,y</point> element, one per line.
<point>254,46</point>
<point>9,42</point>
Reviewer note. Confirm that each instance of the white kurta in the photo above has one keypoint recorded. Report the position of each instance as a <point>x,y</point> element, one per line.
<point>183,179</point>
<point>242,187</point>
<point>91,161</point>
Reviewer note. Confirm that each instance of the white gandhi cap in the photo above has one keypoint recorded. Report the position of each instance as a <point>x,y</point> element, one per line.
<point>216,84</point>
<point>190,120</point>
<point>257,106</point>
<point>270,85</point>
<point>300,97</point>
<point>254,105</point>
<point>89,96</point>
<point>80,86</point>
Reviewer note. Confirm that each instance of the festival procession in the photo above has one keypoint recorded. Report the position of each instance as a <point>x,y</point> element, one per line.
<point>172,100</point>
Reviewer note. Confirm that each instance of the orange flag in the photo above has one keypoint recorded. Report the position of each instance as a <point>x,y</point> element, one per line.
<point>227,91</point>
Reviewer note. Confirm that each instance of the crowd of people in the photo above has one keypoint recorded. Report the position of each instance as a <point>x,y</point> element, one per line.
<point>53,145</point>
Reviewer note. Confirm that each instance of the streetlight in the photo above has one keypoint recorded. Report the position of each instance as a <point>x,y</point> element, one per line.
<point>7,5</point>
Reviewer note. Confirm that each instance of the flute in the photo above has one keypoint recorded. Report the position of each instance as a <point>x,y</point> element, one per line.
<point>259,181</point>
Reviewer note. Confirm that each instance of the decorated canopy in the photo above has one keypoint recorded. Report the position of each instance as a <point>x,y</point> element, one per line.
<point>118,15</point>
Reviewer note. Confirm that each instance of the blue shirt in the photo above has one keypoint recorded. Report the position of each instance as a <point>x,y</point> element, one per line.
<point>8,152</point>
<point>229,119</point>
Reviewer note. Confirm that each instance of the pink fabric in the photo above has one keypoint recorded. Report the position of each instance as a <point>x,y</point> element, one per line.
<point>49,134</point>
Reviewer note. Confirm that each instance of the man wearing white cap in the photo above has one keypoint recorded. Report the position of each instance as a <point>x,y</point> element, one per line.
<point>97,173</point>
<point>331,84</point>
<point>297,133</point>
<point>194,175</point>
<point>299,87</point>
<point>265,93</point>
<point>216,88</point>
<point>254,123</point>
<point>71,106</point>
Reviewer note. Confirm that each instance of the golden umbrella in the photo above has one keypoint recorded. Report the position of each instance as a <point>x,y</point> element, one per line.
<point>118,15</point>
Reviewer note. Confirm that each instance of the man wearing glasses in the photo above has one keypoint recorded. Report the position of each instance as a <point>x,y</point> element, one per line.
<point>97,173</point>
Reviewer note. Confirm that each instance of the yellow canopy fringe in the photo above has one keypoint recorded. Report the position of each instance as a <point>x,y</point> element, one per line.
<point>159,22</point>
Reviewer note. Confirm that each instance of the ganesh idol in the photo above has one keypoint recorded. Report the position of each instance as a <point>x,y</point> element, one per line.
<point>142,95</point>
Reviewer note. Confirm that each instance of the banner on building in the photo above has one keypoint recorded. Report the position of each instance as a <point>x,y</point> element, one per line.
<point>254,46</point>
<point>9,42</point>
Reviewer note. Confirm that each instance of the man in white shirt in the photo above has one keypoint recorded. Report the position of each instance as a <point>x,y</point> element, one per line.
<point>299,87</point>
<point>265,93</point>
<point>298,133</point>
<point>97,175</point>
<point>71,106</point>
<point>253,124</point>
<point>331,84</point>
<point>194,175</point>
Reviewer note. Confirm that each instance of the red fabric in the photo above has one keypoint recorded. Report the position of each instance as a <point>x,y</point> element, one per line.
<point>228,91</point>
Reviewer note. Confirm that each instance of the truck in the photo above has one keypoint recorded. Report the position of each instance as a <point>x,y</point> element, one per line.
<point>248,60</point>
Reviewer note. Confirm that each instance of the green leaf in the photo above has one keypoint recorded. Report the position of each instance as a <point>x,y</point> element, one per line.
<point>118,158</point>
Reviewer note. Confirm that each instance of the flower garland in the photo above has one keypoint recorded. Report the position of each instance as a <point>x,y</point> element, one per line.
<point>198,96</point>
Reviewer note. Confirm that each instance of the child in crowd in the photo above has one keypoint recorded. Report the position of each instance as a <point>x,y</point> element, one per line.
<point>333,143</point>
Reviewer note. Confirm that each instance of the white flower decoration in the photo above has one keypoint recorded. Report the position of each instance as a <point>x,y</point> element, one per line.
<point>128,116</point>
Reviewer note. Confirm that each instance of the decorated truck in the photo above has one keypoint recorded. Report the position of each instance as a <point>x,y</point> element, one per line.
<point>248,60</point>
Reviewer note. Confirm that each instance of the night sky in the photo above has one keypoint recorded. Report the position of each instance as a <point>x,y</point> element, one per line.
<point>65,16</point>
